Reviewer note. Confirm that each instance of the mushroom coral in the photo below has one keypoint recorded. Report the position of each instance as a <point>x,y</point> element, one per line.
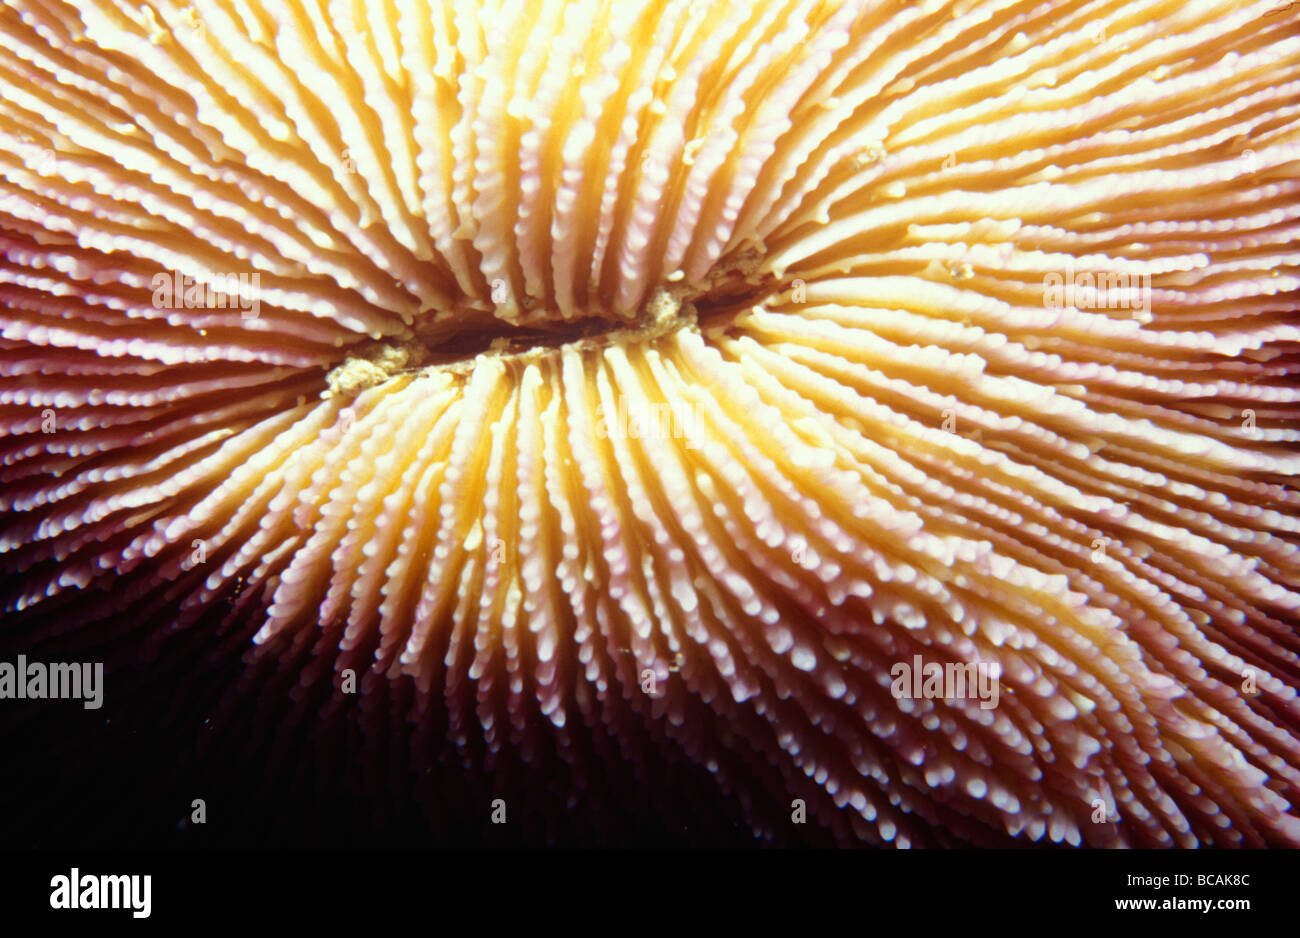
<point>671,373</point>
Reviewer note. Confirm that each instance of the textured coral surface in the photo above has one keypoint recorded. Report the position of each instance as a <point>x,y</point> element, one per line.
<point>970,328</point>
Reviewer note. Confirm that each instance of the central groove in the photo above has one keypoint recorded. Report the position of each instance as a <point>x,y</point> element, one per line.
<point>454,345</point>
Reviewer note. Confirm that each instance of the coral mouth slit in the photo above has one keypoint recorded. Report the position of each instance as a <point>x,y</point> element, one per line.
<point>452,343</point>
